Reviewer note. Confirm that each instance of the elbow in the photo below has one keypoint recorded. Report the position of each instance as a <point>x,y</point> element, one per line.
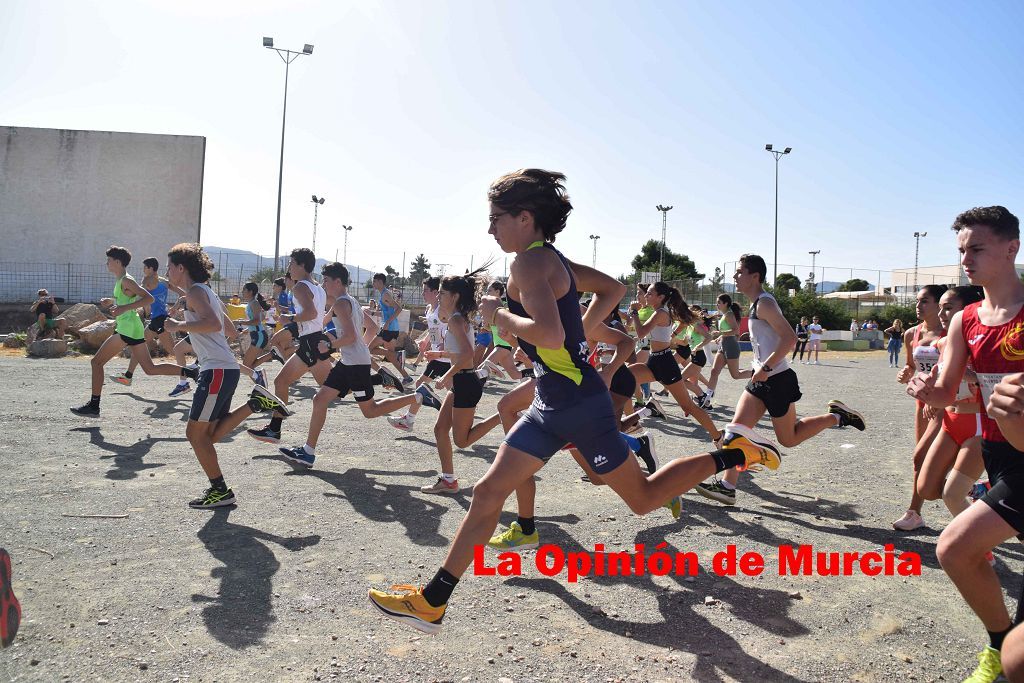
<point>620,291</point>
<point>553,339</point>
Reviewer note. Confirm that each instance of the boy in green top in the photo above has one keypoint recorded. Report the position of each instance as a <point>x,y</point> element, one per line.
<point>129,296</point>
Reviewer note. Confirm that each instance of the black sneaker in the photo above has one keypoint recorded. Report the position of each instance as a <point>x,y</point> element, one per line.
<point>88,410</point>
<point>276,355</point>
<point>213,498</point>
<point>715,491</point>
<point>262,400</point>
<point>266,435</point>
<point>848,417</point>
<point>191,371</point>
<point>656,410</point>
<point>428,397</point>
<point>298,455</point>
<point>647,453</point>
<point>390,379</point>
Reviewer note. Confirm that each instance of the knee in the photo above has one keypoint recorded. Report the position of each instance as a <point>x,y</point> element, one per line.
<point>787,440</point>
<point>461,440</point>
<point>949,553</point>
<point>488,494</point>
<point>441,431</point>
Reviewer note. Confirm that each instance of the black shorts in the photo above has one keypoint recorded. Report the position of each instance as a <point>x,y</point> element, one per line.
<point>156,325</point>
<point>212,399</point>
<point>623,382</point>
<point>700,358</point>
<point>778,392</point>
<point>664,367</point>
<point>500,345</point>
<point>129,341</point>
<point>683,352</point>
<point>258,338</point>
<point>437,368</point>
<point>293,328</point>
<point>388,335</point>
<point>309,348</point>
<point>351,378</point>
<point>467,388</point>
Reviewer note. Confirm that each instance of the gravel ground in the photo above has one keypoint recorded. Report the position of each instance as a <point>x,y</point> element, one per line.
<point>275,589</point>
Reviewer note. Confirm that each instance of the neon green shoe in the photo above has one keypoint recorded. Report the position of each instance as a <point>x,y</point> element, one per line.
<point>990,666</point>
<point>675,506</point>
<point>513,538</point>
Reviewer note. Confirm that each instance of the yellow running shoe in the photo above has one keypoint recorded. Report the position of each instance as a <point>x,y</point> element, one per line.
<point>408,606</point>
<point>675,506</point>
<point>757,449</point>
<point>990,666</point>
<point>513,538</point>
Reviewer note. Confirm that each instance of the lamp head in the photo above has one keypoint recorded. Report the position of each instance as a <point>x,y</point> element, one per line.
<point>787,150</point>
<point>268,42</point>
<point>307,49</point>
<point>768,147</point>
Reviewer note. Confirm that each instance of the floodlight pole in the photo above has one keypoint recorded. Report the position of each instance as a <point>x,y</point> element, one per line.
<point>593,261</point>
<point>347,229</point>
<point>664,228</point>
<point>814,254</point>
<point>778,155</point>
<point>917,247</point>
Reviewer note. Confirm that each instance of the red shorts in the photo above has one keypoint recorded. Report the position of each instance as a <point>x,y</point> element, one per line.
<point>961,426</point>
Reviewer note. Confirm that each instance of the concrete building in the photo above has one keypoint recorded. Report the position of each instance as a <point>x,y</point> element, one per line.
<point>903,278</point>
<point>66,195</point>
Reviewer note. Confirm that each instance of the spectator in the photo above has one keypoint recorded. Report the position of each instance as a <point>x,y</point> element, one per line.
<point>895,332</point>
<point>46,309</point>
<point>854,326</point>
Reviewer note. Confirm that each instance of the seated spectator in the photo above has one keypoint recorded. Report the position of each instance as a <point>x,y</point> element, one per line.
<point>45,308</point>
<point>854,326</point>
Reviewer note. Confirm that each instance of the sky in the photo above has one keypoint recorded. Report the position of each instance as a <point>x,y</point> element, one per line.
<point>900,115</point>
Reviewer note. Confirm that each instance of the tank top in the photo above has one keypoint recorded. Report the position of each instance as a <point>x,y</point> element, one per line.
<point>211,349</point>
<point>645,313</point>
<point>319,304</point>
<point>925,357</point>
<point>994,352</point>
<point>386,312</point>
<point>356,353</point>
<point>159,305</point>
<point>128,323</point>
<point>763,337</point>
<point>250,313</point>
<point>723,324</point>
<point>454,343</point>
<point>563,374</point>
<point>696,338</point>
<point>662,333</point>
<point>437,330</point>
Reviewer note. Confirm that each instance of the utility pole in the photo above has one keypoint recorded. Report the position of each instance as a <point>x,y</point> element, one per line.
<point>917,248</point>
<point>814,254</point>
<point>778,155</point>
<point>593,261</point>
<point>347,229</point>
<point>317,203</point>
<point>664,228</point>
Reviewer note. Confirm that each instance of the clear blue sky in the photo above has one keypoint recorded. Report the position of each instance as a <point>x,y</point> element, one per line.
<point>899,115</point>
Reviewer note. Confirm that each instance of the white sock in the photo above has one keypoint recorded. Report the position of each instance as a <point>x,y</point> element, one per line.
<point>309,449</point>
<point>726,484</point>
<point>448,478</point>
<point>182,382</point>
<point>409,416</point>
<point>419,398</point>
<point>839,419</point>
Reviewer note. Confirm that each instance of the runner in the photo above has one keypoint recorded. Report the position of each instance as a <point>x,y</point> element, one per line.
<point>922,356</point>
<point>528,209</point>
<point>433,340</point>
<point>389,309</point>
<point>691,339</point>
<point>255,307</point>
<point>500,362</point>
<point>727,335</point>
<point>209,420</point>
<point>157,287</point>
<point>988,336</point>
<point>351,373</point>
<point>773,388</point>
<point>128,298</point>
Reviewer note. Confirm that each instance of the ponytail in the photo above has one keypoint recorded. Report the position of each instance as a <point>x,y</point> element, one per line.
<point>263,302</point>
<point>673,300</point>
<point>736,311</point>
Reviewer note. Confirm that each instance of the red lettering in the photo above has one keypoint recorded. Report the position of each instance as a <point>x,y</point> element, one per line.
<point>578,565</point>
<point>724,562</point>
<point>795,563</point>
<point>752,564</point>
<point>480,567</point>
<point>910,564</point>
<point>556,554</point>
<point>510,564</point>
<point>869,564</point>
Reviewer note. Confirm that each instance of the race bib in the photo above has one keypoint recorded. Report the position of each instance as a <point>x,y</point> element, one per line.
<point>988,381</point>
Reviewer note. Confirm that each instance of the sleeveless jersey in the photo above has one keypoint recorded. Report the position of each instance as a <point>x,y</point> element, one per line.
<point>925,357</point>
<point>250,313</point>
<point>319,304</point>
<point>356,353</point>
<point>662,333</point>
<point>159,305</point>
<point>437,330</point>
<point>994,352</point>
<point>128,323</point>
<point>763,338</point>
<point>386,312</point>
<point>212,348</point>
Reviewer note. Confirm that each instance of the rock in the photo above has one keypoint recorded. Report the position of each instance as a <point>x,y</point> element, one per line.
<point>709,601</point>
<point>48,348</point>
<point>91,336</point>
<point>31,334</point>
<point>82,315</point>
<point>796,595</point>
<point>102,622</point>
<point>14,341</point>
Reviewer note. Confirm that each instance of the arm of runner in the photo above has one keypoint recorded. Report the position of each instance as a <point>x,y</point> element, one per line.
<point>131,287</point>
<point>939,388</point>
<point>342,309</point>
<point>458,326</point>
<point>1006,407</point>
<point>908,370</point>
<point>607,291</point>
<point>209,320</point>
<point>707,336</point>
<point>772,315</point>
<point>544,328</point>
<point>660,318</point>
<point>623,348</point>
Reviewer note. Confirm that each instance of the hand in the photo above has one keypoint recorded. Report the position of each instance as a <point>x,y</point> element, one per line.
<point>488,305</point>
<point>905,374</point>
<point>520,355</point>
<point>759,376</point>
<point>930,412</point>
<point>324,346</point>
<point>444,382</point>
<point>634,306</point>
<point>1007,399</point>
<point>106,302</point>
<point>922,384</point>
<point>172,325</point>
<point>424,345</point>
<point>432,355</point>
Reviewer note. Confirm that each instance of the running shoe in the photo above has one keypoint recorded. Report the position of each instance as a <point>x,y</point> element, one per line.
<point>715,491</point>
<point>441,486</point>
<point>390,379</point>
<point>663,393</point>
<point>910,520</point>
<point>494,369</point>
<point>848,417</point>
<point>276,354</point>
<point>266,435</point>
<point>299,455</point>
<point>10,608</point>
<point>88,410</point>
<point>408,381</point>
<point>262,400</point>
<point>513,538</point>
<point>403,423</point>
<point>990,667</point>
<point>430,399</point>
<point>213,498</point>
<point>647,454</point>
<point>260,378</point>
<point>979,489</point>
<point>758,450</point>
<point>655,407</point>
<point>121,379</point>
<point>675,506</point>
<point>180,389</point>
<point>408,606</point>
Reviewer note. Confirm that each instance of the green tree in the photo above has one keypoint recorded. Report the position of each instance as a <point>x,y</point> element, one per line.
<point>787,281</point>
<point>854,285</point>
<point>264,275</point>
<point>677,266</point>
<point>419,270</point>
<point>717,279</point>
<point>391,273</point>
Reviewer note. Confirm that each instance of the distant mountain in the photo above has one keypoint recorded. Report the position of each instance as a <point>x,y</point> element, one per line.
<point>232,262</point>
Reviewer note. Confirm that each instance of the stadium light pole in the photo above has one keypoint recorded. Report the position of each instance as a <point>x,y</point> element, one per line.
<point>814,254</point>
<point>593,261</point>
<point>917,248</point>
<point>317,203</point>
<point>347,229</point>
<point>287,56</point>
<point>778,155</point>
<point>664,227</point>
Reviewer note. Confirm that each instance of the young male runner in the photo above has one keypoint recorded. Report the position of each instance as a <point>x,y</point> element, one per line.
<point>389,309</point>
<point>433,340</point>
<point>989,335</point>
<point>773,388</point>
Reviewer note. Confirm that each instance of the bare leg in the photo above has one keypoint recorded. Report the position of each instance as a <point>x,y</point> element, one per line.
<point>108,349</point>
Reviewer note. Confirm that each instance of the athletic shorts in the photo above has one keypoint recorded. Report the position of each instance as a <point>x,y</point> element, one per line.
<point>388,335</point>
<point>683,351</point>
<point>778,392</point>
<point>258,338</point>
<point>212,399</point>
<point>589,424</point>
<point>51,323</point>
<point>351,378</point>
<point>483,338</point>
<point>309,348</point>
<point>961,426</point>
<point>436,369</point>
<point>156,325</point>
<point>130,341</point>
<point>730,347</point>
<point>467,389</point>
<point>293,328</point>
<point>623,382</point>
<point>1005,467</point>
<point>664,367</point>
<point>700,358</point>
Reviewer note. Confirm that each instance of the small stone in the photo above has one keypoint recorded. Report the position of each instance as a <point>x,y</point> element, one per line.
<point>490,660</point>
<point>796,595</point>
<point>143,665</point>
<point>34,662</point>
<point>102,622</point>
<point>537,643</point>
<point>709,601</point>
<point>689,579</point>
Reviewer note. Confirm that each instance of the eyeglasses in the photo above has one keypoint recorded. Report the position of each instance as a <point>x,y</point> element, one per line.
<point>495,216</point>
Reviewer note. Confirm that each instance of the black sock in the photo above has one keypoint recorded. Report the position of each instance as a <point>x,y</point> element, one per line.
<point>275,423</point>
<point>128,374</point>
<point>527,524</point>
<point>219,484</point>
<point>95,401</point>
<point>440,588</point>
<point>728,458</point>
<point>995,639</point>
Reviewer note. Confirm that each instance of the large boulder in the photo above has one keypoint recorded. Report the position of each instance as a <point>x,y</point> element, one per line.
<point>82,315</point>
<point>48,348</point>
<point>91,336</point>
<point>14,341</point>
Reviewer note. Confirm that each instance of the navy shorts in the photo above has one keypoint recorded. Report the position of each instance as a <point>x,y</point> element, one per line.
<point>483,338</point>
<point>258,338</point>
<point>212,399</point>
<point>589,424</point>
<point>156,325</point>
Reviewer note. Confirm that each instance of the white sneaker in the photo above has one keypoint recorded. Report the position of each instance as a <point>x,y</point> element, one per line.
<point>403,423</point>
<point>494,369</point>
<point>909,521</point>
